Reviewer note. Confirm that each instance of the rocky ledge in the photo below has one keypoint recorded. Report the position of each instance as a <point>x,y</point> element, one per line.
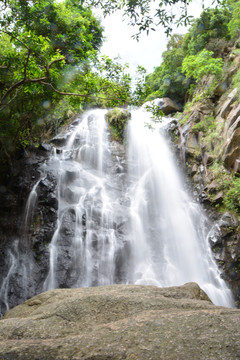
<point>121,322</point>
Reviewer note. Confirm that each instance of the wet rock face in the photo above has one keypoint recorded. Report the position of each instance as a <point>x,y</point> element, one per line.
<point>226,250</point>
<point>199,153</point>
<point>25,235</point>
<point>40,184</point>
<point>121,322</point>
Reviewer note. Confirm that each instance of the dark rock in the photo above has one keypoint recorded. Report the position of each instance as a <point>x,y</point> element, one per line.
<point>213,187</point>
<point>194,170</point>
<point>218,198</point>
<point>208,159</point>
<point>232,150</point>
<point>225,243</point>
<point>45,147</point>
<point>60,140</point>
<point>203,198</point>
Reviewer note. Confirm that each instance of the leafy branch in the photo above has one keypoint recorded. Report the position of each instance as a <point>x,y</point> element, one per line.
<point>26,80</point>
<point>76,94</point>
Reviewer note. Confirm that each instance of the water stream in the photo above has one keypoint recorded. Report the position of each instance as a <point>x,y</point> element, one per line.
<point>169,230</point>
<point>124,217</point>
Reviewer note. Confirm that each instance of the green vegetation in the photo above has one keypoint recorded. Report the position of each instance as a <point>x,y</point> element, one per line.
<point>209,31</point>
<point>49,70</point>
<point>168,80</point>
<point>208,124</point>
<point>117,120</point>
<point>200,52</point>
<point>232,198</point>
<point>147,14</point>
<point>234,23</point>
<point>196,66</point>
<point>229,185</point>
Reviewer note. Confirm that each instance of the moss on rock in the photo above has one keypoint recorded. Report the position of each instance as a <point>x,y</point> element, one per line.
<point>117,120</point>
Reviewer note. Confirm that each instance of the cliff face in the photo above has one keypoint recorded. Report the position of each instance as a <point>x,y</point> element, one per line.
<point>24,238</point>
<point>209,143</point>
<point>121,322</point>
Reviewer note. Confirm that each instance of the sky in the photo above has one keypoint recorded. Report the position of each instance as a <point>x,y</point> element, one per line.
<point>147,52</point>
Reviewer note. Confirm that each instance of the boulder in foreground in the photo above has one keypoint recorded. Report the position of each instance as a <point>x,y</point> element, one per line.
<point>121,322</point>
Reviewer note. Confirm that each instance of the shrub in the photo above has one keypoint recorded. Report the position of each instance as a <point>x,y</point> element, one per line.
<point>208,123</point>
<point>117,120</point>
<point>196,66</point>
<point>232,198</point>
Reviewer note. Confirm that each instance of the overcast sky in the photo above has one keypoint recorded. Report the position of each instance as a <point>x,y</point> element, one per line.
<point>148,50</point>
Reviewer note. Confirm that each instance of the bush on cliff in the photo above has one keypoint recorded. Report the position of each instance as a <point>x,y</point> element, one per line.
<point>117,120</point>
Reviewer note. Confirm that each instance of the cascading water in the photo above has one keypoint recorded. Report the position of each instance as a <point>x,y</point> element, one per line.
<point>89,205</point>
<point>122,224</point>
<point>19,260</point>
<point>169,231</point>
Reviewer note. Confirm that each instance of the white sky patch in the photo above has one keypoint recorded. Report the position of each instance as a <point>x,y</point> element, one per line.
<point>146,52</point>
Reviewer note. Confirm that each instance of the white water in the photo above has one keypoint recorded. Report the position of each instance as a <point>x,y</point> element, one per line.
<point>85,191</point>
<point>18,260</point>
<point>121,224</point>
<point>169,231</point>
<point>166,242</point>
<point>5,285</point>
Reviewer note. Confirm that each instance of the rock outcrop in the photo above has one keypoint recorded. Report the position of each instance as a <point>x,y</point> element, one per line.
<point>229,114</point>
<point>209,143</point>
<point>167,105</point>
<point>121,322</point>
<point>24,238</point>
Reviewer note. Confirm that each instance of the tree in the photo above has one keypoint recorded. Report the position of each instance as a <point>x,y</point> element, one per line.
<point>141,88</point>
<point>203,63</point>
<point>211,26</point>
<point>234,24</point>
<point>146,15</point>
<point>40,65</point>
<point>168,80</point>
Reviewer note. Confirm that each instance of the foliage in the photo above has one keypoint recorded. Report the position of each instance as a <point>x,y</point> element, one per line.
<point>114,84</point>
<point>203,63</point>
<point>207,33</point>
<point>206,125</point>
<point>156,112</point>
<point>168,80</point>
<point>234,23</point>
<point>146,14</point>
<point>49,51</point>
<point>212,24</point>
<point>117,120</point>
<point>141,88</point>
<point>229,185</point>
<point>217,46</point>
<point>232,198</point>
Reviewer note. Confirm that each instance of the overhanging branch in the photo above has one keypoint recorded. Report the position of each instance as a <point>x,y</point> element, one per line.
<point>76,94</point>
<point>28,81</point>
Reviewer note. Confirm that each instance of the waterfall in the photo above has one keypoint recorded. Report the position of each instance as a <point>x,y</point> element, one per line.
<point>88,192</point>
<point>124,215</point>
<point>19,260</point>
<point>169,231</point>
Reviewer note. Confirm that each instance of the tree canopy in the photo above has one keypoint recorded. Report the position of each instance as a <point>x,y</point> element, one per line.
<point>199,52</point>
<point>147,14</point>
<point>50,66</point>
